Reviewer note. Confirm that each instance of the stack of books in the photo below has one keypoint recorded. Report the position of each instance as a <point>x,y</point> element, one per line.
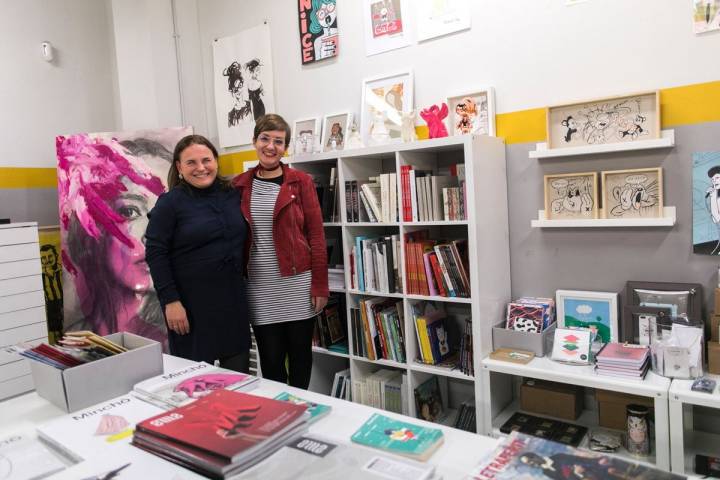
<point>222,433</point>
<point>187,384</point>
<point>623,360</point>
<point>431,331</point>
<point>398,437</point>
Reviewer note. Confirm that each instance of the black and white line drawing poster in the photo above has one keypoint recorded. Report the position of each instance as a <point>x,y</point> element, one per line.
<point>243,79</point>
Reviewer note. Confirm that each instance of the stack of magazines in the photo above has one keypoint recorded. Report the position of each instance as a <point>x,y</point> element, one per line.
<point>222,433</point>
<point>623,360</point>
<point>189,383</point>
<point>76,348</point>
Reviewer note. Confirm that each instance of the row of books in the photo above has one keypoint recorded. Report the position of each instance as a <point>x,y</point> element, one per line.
<point>466,417</point>
<point>326,188</point>
<point>375,264</point>
<point>372,201</point>
<point>383,389</point>
<point>436,268</point>
<point>431,331</point>
<point>378,329</point>
<point>428,197</point>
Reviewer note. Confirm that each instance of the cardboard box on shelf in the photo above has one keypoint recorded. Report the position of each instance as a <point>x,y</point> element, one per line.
<point>612,407</point>
<point>550,398</point>
<point>715,327</point>
<point>713,353</point>
<point>717,300</point>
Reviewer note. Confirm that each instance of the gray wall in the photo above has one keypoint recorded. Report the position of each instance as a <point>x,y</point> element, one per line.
<point>603,259</point>
<point>31,205</point>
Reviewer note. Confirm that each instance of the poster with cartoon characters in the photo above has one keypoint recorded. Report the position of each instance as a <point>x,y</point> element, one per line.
<point>635,193</point>
<point>706,15</point>
<point>243,80</point>
<point>318,30</point>
<point>604,121</point>
<point>571,196</point>
<point>706,203</point>
<point>472,113</point>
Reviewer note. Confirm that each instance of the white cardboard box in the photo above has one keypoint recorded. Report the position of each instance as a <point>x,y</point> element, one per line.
<point>79,387</point>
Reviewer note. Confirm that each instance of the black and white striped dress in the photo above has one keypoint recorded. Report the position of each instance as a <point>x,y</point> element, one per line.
<point>272,297</point>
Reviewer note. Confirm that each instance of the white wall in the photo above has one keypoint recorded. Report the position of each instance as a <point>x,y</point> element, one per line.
<point>39,100</point>
<point>534,52</point>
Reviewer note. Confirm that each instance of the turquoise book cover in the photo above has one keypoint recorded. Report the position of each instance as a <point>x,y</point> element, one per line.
<point>398,437</point>
<point>317,410</point>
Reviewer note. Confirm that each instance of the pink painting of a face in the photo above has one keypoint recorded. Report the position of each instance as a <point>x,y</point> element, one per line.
<point>107,185</point>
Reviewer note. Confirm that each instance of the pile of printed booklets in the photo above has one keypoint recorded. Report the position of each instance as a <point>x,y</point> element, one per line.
<point>75,348</point>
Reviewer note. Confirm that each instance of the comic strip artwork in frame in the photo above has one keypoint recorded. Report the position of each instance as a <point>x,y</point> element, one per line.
<point>706,203</point>
<point>636,193</point>
<point>571,196</point>
<point>335,130</point>
<point>622,119</point>
<point>384,99</point>
<point>472,113</point>
<point>597,311</point>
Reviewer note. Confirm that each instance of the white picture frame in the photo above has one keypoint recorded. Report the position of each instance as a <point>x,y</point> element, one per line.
<point>306,135</point>
<point>384,98</point>
<point>394,30</point>
<point>576,307</point>
<point>435,19</point>
<point>481,121</point>
<point>341,120</point>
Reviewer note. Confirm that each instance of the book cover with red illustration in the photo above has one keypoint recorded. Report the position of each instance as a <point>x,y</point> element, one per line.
<point>228,424</point>
<point>619,353</point>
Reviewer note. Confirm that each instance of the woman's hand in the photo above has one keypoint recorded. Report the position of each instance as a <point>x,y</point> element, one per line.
<point>177,318</point>
<point>319,303</point>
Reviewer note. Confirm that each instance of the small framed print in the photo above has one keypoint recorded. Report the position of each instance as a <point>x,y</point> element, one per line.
<point>596,311</point>
<point>636,323</point>
<point>335,130</point>
<point>384,99</point>
<point>306,134</point>
<point>636,193</point>
<point>572,345</point>
<point>683,299</point>
<point>571,196</point>
<point>472,113</point>
<point>601,121</point>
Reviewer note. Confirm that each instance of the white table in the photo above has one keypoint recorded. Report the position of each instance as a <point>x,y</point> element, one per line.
<point>458,455</point>
<point>685,441</point>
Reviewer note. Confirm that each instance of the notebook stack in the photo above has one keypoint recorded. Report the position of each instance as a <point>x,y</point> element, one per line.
<point>222,433</point>
<point>623,360</point>
<point>189,383</point>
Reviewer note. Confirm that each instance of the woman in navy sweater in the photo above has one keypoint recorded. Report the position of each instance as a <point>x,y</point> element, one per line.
<point>195,244</point>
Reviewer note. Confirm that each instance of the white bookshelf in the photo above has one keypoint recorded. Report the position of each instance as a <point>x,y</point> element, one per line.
<point>666,140</point>
<point>486,230</point>
<point>690,435</point>
<point>501,397</point>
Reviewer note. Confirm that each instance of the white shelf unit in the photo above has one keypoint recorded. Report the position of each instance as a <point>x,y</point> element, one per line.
<point>690,435</point>
<point>500,399</point>
<point>22,303</point>
<point>667,220</point>
<point>486,230</point>
<point>666,140</point>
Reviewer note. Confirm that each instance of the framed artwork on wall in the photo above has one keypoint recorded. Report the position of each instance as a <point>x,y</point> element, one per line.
<point>683,299</point>
<point>335,130</point>
<point>571,196</point>
<point>435,19</point>
<point>385,25</point>
<point>636,193</point>
<point>384,99</point>
<point>606,120</point>
<point>636,323</point>
<point>597,311</point>
<point>306,134</point>
<point>706,203</point>
<point>706,15</point>
<point>472,113</point>
<point>318,26</point>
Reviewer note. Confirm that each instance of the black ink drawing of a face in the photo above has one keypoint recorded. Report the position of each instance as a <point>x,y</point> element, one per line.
<point>571,126</point>
<point>241,101</point>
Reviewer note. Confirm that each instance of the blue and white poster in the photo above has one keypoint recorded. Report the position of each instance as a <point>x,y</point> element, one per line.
<point>706,203</point>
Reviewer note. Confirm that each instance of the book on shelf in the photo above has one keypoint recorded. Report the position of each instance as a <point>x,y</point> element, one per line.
<point>24,456</point>
<point>431,332</point>
<point>341,385</point>
<point>465,419</point>
<point>330,323</point>
<point>316,410</point>
<point>523,456</point>
<point>222,433</point>
<point>189,383</point>
<point>398,437</point>
<point>315,457</point>
<point>429,401</point>
<point>436,267</point>
<point>381,389</point>
<point>376,261</point>
<point>105,426</point>
<point>373,200</point>
<point>465,355</point>
<point>433,196</point>
<point>378,329</point>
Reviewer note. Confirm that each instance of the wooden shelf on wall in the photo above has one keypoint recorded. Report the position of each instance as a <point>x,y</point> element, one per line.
<point>667,220</point>
<point>666,140</point>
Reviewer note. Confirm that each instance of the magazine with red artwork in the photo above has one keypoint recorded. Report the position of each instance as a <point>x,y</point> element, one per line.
<point>230,425</point>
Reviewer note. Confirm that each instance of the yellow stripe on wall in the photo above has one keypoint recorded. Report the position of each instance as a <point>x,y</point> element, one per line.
<point>17,177</point>
<point>688,105</point>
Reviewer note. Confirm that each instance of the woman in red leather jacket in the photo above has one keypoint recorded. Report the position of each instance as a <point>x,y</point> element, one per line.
<point>287,258</point>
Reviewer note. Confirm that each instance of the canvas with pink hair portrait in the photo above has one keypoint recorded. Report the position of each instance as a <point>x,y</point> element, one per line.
<point>107,184</point>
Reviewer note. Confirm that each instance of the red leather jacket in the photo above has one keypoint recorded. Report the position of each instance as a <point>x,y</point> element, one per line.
<point>298,232</point>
